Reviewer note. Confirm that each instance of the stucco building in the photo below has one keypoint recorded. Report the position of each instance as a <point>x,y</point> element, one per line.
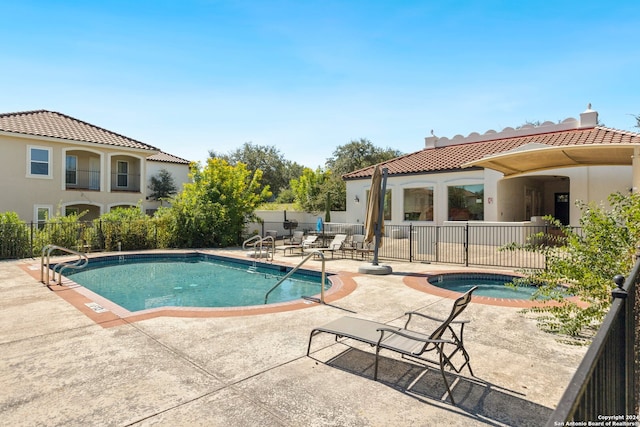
<point>53,163</point>
<point>515,175</point>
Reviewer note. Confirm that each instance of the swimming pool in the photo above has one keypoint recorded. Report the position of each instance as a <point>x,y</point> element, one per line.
<point>492,285</point>
<point>147,281</point>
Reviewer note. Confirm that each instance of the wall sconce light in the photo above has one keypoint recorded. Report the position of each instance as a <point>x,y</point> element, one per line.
<point>357,199</point>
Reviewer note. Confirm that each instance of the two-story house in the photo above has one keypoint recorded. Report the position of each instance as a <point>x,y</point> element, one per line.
<point>52,163</point>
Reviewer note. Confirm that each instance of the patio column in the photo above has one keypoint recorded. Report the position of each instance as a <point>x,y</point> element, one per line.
<point>635,165</point>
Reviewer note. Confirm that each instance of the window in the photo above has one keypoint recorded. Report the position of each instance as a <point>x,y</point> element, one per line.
<point>418,204</point>
<point>39,162</point>
<point>42,213</point>
<point>123,174</point>
<point>387,205</point>
<point>72,170</point>
<point>466,202</point>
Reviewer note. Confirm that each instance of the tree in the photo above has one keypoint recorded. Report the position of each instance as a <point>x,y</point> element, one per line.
<point>213,209</point>
<point>311,192</point>
<point>276,171</point>
<point>162,186</point>
<point>314,188</point>
<point>307,189</point>
<point>583,262</point>
<point>637,121</point>
<point>358,154</point>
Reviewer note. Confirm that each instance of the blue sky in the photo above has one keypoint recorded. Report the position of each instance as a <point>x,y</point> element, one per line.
<point>189,76</point>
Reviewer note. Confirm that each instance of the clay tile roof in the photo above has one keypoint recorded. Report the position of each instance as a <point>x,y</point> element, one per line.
<point>452,157</point>
<point>167,158</point>
<point>55,125</point>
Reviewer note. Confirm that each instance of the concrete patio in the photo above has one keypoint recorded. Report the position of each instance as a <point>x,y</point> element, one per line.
<point>59,367</point>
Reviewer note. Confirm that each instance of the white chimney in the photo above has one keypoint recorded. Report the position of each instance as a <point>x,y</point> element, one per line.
<point>430,141</point>
<point>589,118</point>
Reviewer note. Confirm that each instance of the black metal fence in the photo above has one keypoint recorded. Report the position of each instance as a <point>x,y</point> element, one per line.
<point>465,244</point>
<point>604,389</point>
<point>20,240</point>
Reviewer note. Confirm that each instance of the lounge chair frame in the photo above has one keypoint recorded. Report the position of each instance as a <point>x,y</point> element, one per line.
<point>353,244</point>
<point>446,340</point>
<point>306,243</point>
<point>335,245</point>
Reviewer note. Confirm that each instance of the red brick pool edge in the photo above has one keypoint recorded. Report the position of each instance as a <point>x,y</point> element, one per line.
<point>108,314</point>
<point>420,282</point>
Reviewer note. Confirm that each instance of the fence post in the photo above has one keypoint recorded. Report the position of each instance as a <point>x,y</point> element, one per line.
<point>410,242</point>
<point>437,243</point>
<point>629,344</point>
<point>101,234</point>
<point>466,245</point>
<point>31,240</point>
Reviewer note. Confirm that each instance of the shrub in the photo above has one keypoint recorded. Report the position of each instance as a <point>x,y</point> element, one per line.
<point>126,229</point>
<point>64,231</point>
<point>583,263</point>
<point>14,236</point>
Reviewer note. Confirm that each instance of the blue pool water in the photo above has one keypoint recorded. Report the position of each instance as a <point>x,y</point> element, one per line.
<point>195,280</point>
<point>489,285</point>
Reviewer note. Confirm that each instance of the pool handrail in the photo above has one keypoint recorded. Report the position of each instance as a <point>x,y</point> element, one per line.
<point>81,262</point>
<point>296,268</point>
<point>259,243</point>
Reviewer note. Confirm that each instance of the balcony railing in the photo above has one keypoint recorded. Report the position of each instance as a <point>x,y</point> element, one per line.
<point>90,180</point>
<point>82,180</point>
<point>125,182</point>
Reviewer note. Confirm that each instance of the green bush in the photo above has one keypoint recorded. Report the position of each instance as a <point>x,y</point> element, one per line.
<point>14,236</point>
<point>162,222</point>
<point>582,263</point>
<point>64,231</point>
<point>126,229</point>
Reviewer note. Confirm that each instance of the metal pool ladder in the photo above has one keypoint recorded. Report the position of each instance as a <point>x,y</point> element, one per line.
<point>294,269</point>
<point>257,247</point>
<point>45,265</point>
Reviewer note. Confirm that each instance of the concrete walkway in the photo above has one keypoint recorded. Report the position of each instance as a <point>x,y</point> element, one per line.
<point>61,368</point>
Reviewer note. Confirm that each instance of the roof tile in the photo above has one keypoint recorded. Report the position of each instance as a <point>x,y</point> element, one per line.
<point>167,158</point>
<point>452,157</point>
<point>55,125</point>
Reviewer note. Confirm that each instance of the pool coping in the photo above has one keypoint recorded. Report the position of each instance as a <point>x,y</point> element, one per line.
<point>109,314</point>
<point>420,282</point>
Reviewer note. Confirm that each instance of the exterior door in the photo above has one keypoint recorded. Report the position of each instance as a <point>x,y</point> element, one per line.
<point>94,173</point>
<point>561,208</point>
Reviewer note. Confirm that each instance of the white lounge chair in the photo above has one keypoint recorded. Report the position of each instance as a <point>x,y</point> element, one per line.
<point>306,243</point>
<point>334,246</point>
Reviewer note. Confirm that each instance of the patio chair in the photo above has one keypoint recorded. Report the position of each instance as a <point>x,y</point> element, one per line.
<point>307,242</point>
<point>352,244</point>
<point>295,239</point>
<point>334,246</point>
<point>365,250</point>
<point>446,339</point>
<point>268,242</point>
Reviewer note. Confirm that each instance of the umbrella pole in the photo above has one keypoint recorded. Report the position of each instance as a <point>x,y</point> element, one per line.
<point>378,230</point>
